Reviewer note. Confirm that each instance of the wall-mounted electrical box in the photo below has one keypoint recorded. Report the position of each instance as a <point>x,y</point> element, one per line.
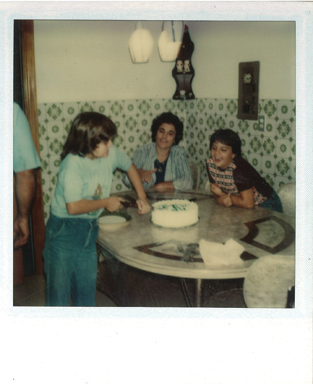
<point>248,94</point>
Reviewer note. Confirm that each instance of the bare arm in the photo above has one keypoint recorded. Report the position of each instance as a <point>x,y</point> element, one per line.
<point>112,204</point>
<point>164,185</point>
<point>245,200</point>
<point>25,192</point>
<point>143,204</point>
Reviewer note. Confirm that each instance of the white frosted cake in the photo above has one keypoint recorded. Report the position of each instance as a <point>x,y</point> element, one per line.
<point>174,213</point>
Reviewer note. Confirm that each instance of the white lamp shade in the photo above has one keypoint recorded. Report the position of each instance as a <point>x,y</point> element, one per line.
<point>170,39</point>
<point>168,49</point>
<point>141,45</point>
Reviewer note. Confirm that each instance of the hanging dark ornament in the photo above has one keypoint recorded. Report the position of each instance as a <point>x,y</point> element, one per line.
<point>183,72</point>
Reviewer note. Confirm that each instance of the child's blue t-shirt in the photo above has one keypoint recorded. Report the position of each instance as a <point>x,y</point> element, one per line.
<point>83,178</point>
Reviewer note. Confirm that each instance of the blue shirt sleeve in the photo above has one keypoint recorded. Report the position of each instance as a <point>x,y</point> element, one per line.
<point>181,172</point>
<point>120,159</point>
<point>143,158</point>
<point>24,152</point>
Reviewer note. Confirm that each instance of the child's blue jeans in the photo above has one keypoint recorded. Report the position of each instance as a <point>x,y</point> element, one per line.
<point>70,261</point>
<point>273,203</point>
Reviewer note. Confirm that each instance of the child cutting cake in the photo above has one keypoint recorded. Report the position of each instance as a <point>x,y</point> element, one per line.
<point>233,180</point>
<point>83,191</point>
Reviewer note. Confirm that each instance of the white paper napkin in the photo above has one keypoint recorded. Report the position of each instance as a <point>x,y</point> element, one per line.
<point>221,254</point>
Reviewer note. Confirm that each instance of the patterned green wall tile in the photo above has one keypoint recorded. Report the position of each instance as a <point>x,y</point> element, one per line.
<point>282,167</point>
<point>232,107</point>
<point>221,107</point>
<point>270,129</point>
<point>130,108</point>
<point>171,106</point>
<point>283,148</point>
<point>255,144</point>
<point>268,165</point>
<point>157,107</point>
<point>201,106</point>
<point>269,108</point>
<point>285,109</point>
<point>269,146</point>
<point>54,111</point>
<point>284,129</point>
<point>70,111</point>
<point>256,160</point>
<point>231,122</point>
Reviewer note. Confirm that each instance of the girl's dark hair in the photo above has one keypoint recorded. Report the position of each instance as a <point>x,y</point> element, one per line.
<point>227,137</point>
<point>87,131</point>
<point>169,118</point>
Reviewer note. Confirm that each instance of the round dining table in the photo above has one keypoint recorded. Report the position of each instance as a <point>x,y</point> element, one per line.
<point>142,245</point>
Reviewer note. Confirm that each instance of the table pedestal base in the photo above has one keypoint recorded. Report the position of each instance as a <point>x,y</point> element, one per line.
<point>131,287</point>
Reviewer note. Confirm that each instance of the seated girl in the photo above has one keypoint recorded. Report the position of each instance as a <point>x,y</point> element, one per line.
<point>233,180</point>
<point>162,164</point>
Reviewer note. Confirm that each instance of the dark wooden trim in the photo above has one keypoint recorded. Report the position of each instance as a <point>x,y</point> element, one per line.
<point>30,109</point>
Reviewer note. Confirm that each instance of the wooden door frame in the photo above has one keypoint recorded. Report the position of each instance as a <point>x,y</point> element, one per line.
<point>30,109</point>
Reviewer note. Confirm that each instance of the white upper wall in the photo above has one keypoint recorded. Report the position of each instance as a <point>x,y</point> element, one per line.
<point>90,60</point>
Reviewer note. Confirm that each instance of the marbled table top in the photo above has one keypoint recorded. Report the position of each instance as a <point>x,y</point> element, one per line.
<point>143,245</point>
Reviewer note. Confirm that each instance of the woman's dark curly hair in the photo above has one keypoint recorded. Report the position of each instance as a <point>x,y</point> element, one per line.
<point>227,137</point>
<point>87,131</point>
<point>169,118</point>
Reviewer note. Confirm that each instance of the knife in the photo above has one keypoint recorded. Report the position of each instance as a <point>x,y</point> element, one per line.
<point>129,204</point>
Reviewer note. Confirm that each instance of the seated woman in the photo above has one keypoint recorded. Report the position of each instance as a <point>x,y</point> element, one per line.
<point>162,164</point>
<point>233,180</point>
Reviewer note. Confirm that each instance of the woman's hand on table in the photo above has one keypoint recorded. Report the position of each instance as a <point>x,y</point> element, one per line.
<point>146,175</point>
<point>143,206</point>
<point>164,185</point>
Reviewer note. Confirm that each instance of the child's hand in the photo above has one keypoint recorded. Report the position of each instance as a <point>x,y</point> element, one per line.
<point>217,190</point>
<point>226,201</point>
<point>113,203</point>
<point>143,206</point>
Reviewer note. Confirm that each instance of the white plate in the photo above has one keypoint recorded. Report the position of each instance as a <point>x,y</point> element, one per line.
<point>111,220</point>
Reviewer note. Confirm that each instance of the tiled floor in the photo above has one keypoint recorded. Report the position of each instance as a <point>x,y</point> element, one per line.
<point>32,293</point>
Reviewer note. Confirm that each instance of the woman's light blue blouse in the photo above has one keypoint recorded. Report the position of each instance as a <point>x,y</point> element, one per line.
<point>177,168</point>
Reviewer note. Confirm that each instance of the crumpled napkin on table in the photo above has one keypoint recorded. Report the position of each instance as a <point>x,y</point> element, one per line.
<point>221,254</point>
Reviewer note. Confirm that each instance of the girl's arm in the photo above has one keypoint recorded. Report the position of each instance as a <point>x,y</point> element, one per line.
<point>224,200</point>
<point>112,204</point>
<point>142,202</point>
<point>245,200</point>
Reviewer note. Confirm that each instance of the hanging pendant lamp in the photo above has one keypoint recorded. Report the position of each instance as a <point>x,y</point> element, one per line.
<point>140,44</point>
<point>170,40</point>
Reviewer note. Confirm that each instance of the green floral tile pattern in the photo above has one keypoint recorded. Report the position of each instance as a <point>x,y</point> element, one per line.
<point>272,152</point>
